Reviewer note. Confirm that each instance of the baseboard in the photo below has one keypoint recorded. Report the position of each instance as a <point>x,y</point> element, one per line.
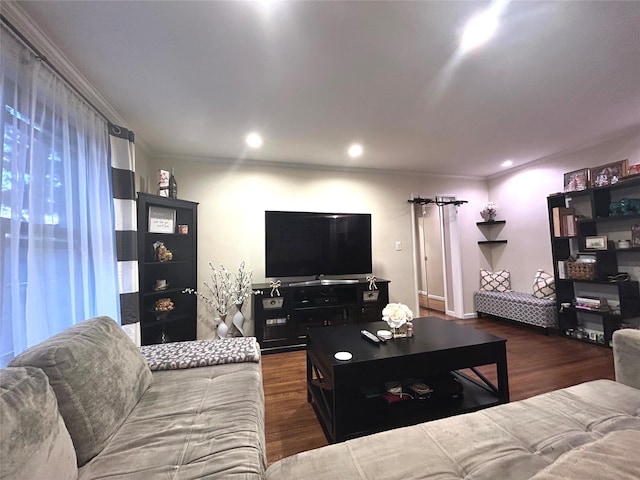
<point>431,296</point>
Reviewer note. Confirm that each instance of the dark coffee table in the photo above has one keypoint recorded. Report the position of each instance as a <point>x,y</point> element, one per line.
<point>343,393</point>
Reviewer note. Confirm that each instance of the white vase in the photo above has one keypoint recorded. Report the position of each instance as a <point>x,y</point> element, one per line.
<point>238,319</point>
<point>222,329</point>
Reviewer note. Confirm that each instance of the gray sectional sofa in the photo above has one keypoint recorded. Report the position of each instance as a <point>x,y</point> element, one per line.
<point>85,405</point>
<point>588,431</point>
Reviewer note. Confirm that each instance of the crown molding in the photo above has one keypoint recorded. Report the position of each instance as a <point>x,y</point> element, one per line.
<point>634,129</point>
<point>14,13</point>
<point>235,162</point>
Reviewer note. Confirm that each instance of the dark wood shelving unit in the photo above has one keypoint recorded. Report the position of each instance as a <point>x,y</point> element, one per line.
<point>180,272</point>
<point>593,206</point>
<point>281,322</point>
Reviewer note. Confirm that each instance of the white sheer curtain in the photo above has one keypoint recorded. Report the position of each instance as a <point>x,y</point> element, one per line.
<point>57,241</point>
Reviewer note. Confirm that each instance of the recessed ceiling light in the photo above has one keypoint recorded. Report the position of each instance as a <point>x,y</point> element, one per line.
<point>478,30</point>
<point>355,150</point>
<point>507,163</point>
<point>253,140</point>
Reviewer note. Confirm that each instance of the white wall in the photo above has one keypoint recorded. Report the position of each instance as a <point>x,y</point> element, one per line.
<point>144,171</point>
<point>521,197</point>
<point>233,198</point>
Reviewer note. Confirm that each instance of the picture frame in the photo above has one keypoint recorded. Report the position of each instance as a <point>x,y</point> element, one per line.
<point>161,220</point>
<point>598,242</point>
<point>609,174</point>
<point>633,170</point>
<point>577,180</point>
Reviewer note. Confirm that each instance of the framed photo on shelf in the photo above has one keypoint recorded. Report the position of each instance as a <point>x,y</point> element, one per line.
<point>162,220</point>
<point>633,170</point>
<point>609,174</point>
<point>596,242</point>
<point>577,180</point>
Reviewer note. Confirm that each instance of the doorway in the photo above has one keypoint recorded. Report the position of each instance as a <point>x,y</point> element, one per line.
<point>430,265</point>
<point>438,276</point>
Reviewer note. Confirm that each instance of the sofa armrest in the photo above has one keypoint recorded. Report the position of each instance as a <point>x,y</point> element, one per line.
<point>626,356</point>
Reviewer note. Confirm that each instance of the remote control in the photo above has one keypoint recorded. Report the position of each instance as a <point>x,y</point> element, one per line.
<point>367,335</point>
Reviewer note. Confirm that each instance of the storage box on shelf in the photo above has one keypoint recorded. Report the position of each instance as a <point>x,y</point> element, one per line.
<point>167,314</point>
<point>595,212</point>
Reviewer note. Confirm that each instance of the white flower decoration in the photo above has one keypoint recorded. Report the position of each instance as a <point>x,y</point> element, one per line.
<point>396,314</point>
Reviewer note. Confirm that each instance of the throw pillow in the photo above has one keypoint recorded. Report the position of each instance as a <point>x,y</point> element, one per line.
<point>98,376</point>
<point>496,282</point>
<point>544,285</point>
<point>34,442</point>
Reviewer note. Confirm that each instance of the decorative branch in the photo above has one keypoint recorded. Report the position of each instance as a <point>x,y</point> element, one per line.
<point>218,291</point>
<point>242,286</point>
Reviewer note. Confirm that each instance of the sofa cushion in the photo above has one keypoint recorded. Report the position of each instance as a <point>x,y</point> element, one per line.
<point>98,376</point>
<point>495,282</point>
<point>510,442</point>
<point>193,423</point>
<point>613,456</point>
<point>544,285</point>
<point>34,442</point>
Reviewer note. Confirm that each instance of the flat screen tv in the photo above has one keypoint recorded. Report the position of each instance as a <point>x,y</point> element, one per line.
<point>304,244</point>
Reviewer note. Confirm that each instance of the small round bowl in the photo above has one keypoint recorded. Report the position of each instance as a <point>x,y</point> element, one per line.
<point>384,334</point>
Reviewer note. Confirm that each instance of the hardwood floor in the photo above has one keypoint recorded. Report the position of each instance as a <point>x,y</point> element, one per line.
<point>427,303</point>
<point>537,364</point>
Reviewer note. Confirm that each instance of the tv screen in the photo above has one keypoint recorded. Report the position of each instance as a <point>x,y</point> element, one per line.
<point>304,243</point>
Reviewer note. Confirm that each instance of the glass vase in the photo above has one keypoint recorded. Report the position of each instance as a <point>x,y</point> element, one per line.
<point>399,332</point>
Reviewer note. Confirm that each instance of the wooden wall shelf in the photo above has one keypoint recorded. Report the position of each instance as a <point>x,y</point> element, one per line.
<point>492,241</point>
<point>495,222</point>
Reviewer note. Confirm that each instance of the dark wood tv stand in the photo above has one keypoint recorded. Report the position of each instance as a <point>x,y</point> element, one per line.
<point>281,321</point>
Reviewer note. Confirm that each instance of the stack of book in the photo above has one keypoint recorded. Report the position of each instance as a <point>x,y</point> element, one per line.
<point>564,222</point>
<point>592,303</point>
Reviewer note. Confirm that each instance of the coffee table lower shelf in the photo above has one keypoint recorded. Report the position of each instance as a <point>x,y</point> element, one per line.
<point>371,415</point>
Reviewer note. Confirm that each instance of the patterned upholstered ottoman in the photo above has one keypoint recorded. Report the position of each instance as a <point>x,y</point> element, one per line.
<point>518,306</point>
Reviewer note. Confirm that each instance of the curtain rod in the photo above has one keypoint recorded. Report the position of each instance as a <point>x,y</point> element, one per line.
<point>44,59</point>
<point>437,200</point>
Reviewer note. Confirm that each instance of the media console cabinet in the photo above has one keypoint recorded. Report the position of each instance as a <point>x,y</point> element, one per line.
<point>283,315</point>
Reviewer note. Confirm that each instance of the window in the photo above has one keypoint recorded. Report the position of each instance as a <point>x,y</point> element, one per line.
<point>57,242</point>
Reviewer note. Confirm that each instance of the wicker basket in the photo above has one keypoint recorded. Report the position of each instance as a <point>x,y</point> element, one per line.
<point>581,270</point>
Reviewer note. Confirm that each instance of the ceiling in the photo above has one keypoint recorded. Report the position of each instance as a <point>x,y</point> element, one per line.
<point>192,78</point>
